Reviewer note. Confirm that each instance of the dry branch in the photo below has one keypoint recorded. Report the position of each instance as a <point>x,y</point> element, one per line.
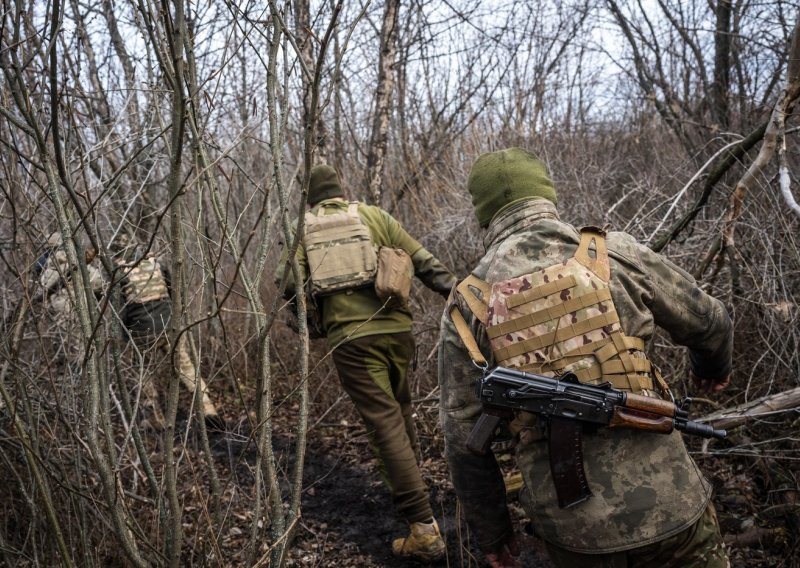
<point>764,406</point>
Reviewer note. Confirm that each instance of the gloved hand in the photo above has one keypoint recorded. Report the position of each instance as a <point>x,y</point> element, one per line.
<point>506,555</point>
<point>704,385</point>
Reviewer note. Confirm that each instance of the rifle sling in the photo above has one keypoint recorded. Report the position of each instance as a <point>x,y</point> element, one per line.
<point>566,462</point>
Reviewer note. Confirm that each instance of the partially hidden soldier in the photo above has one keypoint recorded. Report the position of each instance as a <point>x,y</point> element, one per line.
<point>548,298</point>
<point>57,294</point>
<point>147,309</point>
<point>368,327</point>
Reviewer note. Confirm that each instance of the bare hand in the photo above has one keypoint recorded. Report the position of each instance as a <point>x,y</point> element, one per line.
<point>710,385</point>
<point>506,555</point>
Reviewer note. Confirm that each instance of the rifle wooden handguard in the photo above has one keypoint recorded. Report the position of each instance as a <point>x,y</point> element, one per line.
<point>638,420</point>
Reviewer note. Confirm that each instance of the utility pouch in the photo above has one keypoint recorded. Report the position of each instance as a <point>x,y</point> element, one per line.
<point>393,280</point>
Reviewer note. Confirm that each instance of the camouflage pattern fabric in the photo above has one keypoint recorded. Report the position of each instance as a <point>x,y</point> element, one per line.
<point>562,318</point>
<point>699,546</point>
<point>645,486</point>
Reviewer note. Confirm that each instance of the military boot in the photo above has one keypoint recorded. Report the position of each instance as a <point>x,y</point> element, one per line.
<point>424,543</point>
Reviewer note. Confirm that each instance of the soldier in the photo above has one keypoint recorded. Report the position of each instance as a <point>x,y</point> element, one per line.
<point>146,313</point>
<point>57,293</point>
<point>370,334</point>
<point>548,298</point>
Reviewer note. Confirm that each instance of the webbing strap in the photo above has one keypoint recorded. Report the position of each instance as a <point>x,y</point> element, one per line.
<point>477,306</point>
<point>624,357</point>
<point>539,292</point>
<point>335,233</point>
<point>593,374</point>
<point>553,337</point>
<point>550,313</point>
<point>467,338</point>
<point>599,264</point>
<point>609,349</point>
<point>616,366</point>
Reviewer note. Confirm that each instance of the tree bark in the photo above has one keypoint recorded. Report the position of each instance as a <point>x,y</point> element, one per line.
<point>764,406</point>
<point>720,88</point>
<point>383,98</point>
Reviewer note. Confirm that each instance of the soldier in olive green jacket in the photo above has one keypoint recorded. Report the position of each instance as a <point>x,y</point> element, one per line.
<point>373,349</point>
<point>650,505</point>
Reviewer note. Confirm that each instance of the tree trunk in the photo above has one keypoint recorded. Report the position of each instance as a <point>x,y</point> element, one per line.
<point>383,98</point>
<point>722,65</point>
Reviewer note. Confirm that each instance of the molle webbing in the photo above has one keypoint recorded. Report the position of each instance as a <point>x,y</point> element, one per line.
<point>516,300</point>
<point>145,283</point>
<point>339,249</point>
<point>548,339</point>
<point>549,313</point>
<point>561,318</point>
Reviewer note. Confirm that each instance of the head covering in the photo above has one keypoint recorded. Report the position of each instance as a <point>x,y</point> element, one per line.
<point>498,179</point>
<point>324,184</point>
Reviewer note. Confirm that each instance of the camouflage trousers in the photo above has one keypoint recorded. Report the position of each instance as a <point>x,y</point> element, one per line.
<point>188,377</point>
<point>699,546</point>
<point>373,371</point>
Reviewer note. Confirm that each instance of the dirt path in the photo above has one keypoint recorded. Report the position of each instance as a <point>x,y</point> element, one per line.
<point>348,518</point>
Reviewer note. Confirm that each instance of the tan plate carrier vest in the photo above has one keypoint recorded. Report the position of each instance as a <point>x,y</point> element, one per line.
<point>339,250</point>
<point>561,318</point>
<point>145,283</point>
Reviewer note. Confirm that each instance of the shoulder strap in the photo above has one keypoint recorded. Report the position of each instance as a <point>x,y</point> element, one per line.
<point>479,309</point>
<point>466,336</point>
<point>599,264</point>
<point>352,209</point>
<point>478,306</point>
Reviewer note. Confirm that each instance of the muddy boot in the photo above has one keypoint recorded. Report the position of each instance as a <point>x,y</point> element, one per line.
<point>424,543</point>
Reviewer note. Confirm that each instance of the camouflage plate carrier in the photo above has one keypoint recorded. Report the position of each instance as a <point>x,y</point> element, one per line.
<point>340,252</point>
<point>559,319</point>
<point>145,283</point>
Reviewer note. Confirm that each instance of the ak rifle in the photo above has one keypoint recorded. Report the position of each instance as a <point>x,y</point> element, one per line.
<point>567,406</point>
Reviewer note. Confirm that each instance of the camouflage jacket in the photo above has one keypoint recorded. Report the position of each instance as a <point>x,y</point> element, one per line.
<point>55,278</point>
<point>356,313</point>
<point>645,486</point>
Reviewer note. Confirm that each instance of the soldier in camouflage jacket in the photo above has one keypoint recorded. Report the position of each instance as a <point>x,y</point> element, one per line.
<point>650,503</point>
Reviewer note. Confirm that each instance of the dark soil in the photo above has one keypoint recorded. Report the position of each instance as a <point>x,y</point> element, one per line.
<point>348,519</point>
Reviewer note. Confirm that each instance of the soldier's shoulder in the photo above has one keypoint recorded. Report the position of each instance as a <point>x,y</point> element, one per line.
<point>624,248</point>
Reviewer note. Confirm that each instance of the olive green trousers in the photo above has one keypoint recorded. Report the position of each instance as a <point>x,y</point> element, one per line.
<point>373,371</point>
<point>699,546</point>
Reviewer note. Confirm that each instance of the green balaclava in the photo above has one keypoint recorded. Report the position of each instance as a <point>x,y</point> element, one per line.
<point>498,179</point>
<point>324,184</point>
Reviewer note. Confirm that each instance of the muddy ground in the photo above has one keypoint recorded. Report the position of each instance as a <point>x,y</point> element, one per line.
<point>348,519</point>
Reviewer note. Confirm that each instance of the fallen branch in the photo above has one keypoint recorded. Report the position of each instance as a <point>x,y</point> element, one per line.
<point>755,536</point>
<point>764,406</point>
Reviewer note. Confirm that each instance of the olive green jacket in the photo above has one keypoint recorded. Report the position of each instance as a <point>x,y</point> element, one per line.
<point>356,313</point>
<point>645,486</point>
